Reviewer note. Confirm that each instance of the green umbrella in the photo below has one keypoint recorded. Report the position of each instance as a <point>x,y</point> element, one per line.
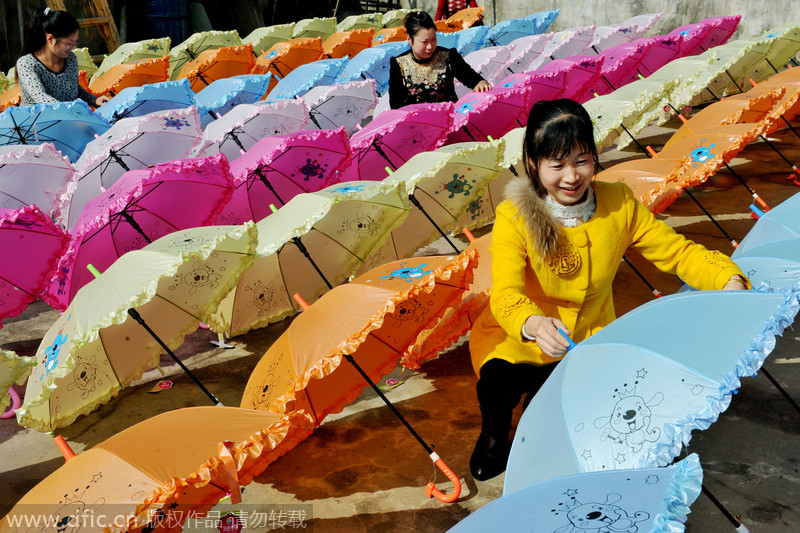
<point>4,83</point>
<point>85,61</point>
<point>196,43</point>
<point>135,51</point>
<point>94,349</point>
<point>395,17</point>
<point>316,27</point>
<point>263,39</point>
<point>363,21</point>
<point>315,241</point>
<point>14,370</point>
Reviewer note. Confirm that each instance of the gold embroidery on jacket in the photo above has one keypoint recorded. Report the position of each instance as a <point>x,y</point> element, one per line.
<point>510,303</point>
<point>566,260</point>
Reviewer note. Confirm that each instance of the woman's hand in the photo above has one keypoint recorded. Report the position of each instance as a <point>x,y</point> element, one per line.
<point>736,283</point>
<point>482,86</point>
<point>101,100</point>
<point>545,329</point>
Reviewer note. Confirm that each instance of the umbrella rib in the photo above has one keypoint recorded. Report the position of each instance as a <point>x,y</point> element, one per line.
<point>417,189</point>
<point>15,285</point>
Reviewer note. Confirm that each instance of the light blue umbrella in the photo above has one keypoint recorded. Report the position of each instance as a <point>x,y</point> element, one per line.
<point>302,79</point>
<point>650,499</point>
<point>447,39</point>
<point>68,125</point>
<point>630,395</point>
<point>506,31</point>
<point>373,63</point>
<point>770,252</point>
<point>226,93</point>
<point>471,39</point>
<point>138,101</point>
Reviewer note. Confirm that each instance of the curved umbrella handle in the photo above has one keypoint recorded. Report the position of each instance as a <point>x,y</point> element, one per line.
<point>15,403</point>
<point>432,492</point>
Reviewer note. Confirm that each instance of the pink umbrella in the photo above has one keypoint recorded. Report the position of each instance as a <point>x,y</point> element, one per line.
<point>277,169</point>
<point>564,44</point>
<point>493,113</point>
<point>541,84</point>
<point>395,136</point>
<point>523,51</point>
<point>142,206</point>
<point>33,243</point>
<point>705,34</point>
<point>581,73</point>
<point>489,62</point>
<point>662,50</point>
<point>621,66</point>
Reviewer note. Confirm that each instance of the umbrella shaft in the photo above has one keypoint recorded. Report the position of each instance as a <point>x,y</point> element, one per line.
<point>780,389</point>
<point>435,225</point>
<point>119,160</point>
<point>266,182</point>
<point>695,200</point>
<point>137,317</point>
<point>128,218</point>
<point>402,419</point>
<point>721,507</point>
<point>383,155</point>
<point>304,251</point>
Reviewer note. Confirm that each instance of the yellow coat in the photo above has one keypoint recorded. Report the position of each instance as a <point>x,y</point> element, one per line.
<point>575,286</point>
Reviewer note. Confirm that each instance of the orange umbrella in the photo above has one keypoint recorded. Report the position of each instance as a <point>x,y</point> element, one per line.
<point>284,57</point>
<point>645,177</point>
<point>215,64</point>
<point>789,106</point>
<point>388,35</point>
<point>347,43</point>
<point>10,97</point>
<point>83,79</point>
<point>133,74</point>
<point>442,26</point>
<point>371,322</point>
<point>466,18</point>
<point>155,474</point>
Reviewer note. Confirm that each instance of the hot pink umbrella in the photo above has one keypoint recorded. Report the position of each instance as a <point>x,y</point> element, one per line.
<point>142,206</point>
<point>493,113</point>
<point>395,136</point>
<point>277,169</point>
<point>705,34</point>
<point>32,243</point>
<point>662,50</point>
<point>621,66</point>
<point>581,73</point>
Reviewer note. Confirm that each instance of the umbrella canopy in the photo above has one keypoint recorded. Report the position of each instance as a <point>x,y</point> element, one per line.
<point>662,50</point>
<point>373,63</point>
<point>68,125</point>
<point>341,105</point>
<point>395,303</point>
<point>465,18</point>
<point>322,27</point>
<point>644,177</point>
<point>390,35</point>
<point>563,44</point>
<point>647,499</point>
<point>134,51</point>
<point>491,63</point>
<point>347,43</point>
<point>265,38</point>
<point>218,63</point>
<point>314,242</point>
<point>508,30</point>
<point>620,66</point>
<point>139,208</point>
<point>707,33</point>
<point>781,223</point>
<point>14,370</point>
<point>364,20</point>
<point>394,17</point>
<point>225,94</point>
<point>134,74</point>
<point>36,243</point>
<point>395,136</point>
<point>131,143</point>
<point>522,52</point>
<point>10,97</point>
<point>191,48</point>
<point>138,101</point>
<point>93,350</point>
<point>581,74</point>
<point>286,56</point>
<point>246,124</point>
<point>626,398</point>
<point>32,175</point>
<point>305,77</point>
<point>277,169</point>
<point>164,470</point>
<point>471,39</point>
<point>85,61</point>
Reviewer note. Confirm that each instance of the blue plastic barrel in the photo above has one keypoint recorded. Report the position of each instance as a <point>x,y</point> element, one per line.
<point>167,18</point>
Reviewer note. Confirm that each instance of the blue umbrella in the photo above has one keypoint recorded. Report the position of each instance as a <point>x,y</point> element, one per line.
<point>471,39</point>
<point>138,101</point>
<point>630,395</point>
<point>649,499</point>
<point>68,125</point>
<point>447,39</point>
<point>226,93</point>
<point>780,223</point>
<point>506,31</point>
<point>302,79</point>
<point>373,63</point>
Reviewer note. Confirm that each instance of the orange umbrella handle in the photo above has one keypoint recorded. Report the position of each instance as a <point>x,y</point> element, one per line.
<point>432,492</point>
<point>64,448</point>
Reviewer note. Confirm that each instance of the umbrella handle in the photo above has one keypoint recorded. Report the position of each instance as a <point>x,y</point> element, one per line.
<point>432,492</point>
<point>15,403</point>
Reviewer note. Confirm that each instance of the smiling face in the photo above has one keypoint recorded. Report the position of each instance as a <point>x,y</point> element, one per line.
<point>62,47</point>
<point>423,43</point>
<point>567,179</point>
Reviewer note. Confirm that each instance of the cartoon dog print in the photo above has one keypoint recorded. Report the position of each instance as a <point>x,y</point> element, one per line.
<point>602,518</point>
<point>84,377</point>
<point>630,420</point>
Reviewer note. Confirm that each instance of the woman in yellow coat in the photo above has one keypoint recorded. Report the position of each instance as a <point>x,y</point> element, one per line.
<point>557,242</point>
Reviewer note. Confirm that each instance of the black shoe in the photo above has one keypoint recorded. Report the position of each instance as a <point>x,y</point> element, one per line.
<point>489,457</point>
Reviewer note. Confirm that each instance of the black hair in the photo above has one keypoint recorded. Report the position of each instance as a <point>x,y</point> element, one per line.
<point>555,128</point>
<point>42,21</point>
<point>417,20</point>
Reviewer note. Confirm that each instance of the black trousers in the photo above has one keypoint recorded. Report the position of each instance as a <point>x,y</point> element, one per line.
<point>500,388</point>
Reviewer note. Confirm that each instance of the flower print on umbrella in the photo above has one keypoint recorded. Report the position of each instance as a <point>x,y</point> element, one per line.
<point>458,185</point>
<point>175,122</point>
<point>312,169</point>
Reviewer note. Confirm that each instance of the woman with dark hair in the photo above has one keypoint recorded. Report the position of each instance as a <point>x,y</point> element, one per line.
<point>47,71</point>
<point>425,73</point>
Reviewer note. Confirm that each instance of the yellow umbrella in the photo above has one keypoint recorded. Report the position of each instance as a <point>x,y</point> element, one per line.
<point>199,42</point>
<point>14,370</point>
<point>395,17</point>
<point>135,51</point>
<point>263,39</point>
<point>85,61</point>
<point>363,21</point>
<point>316,27</point>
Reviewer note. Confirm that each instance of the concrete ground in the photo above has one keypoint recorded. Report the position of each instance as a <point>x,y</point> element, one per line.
<point>362,471</point>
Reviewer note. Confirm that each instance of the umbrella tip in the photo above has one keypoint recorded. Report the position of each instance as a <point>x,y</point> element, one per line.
<point>64,448</point>
<point>273,208</point>
<point>469,235</point>
<point>299,299</point>
<point>91,268</point>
